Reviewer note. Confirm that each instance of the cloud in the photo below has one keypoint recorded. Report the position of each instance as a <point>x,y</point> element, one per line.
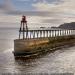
<point>23,0</point>
<point>52,21</point>
<point>6,6</point>
<point>60,11</point>
<point>55,12</point>
<point>45,6</point>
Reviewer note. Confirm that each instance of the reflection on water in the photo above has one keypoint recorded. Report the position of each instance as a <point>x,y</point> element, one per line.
<point>57,62</point>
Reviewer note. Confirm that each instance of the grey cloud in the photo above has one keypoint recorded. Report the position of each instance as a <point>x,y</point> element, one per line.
<point>42,14</point>
<point>29,13</point>
<point>55,21</point>
<point>34,13</point>
<point>8,10</point>
<point>7,5</point>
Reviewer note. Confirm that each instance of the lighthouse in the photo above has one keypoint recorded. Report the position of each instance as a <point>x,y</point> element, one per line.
<point>23,27</point>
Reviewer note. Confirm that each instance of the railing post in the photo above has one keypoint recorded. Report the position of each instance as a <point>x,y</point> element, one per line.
<point>60,32</point>
<point>40,33</point>
<point>49,33</point>
<point>52,33</point>
<point>44,33</point>
<point>30,34</point>
<point>67,32</point>
<point>33,34</point>
<point>55,33</point>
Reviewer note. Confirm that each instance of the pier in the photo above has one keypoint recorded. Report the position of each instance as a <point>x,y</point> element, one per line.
<point>32,41</point>
<point>44,33</point>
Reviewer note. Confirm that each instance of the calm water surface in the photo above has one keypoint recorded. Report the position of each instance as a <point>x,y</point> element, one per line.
<point>60,61</point>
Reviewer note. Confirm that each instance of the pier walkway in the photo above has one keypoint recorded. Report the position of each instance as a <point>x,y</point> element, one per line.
<point>44,33</point>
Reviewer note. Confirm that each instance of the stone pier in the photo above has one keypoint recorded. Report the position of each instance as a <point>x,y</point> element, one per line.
<point>34,39</point>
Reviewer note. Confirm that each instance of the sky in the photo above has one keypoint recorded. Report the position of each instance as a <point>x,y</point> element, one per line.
<point>39,13</point>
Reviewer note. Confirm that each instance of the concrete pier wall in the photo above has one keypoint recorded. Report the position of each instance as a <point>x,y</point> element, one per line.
<point>29,45</point>
<point>33,46</point>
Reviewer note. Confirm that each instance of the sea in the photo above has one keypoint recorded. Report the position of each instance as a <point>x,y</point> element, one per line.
<point>59,62</point>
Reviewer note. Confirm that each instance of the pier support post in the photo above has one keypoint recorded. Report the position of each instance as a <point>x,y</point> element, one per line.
<point>49,33</point>
<point>71,32</point>
<point>60,32</point>
<point>44,34</point>
<point>55,33</point>
<point>37,34</point>
<point>30,34</point>
<point>40,33</point>
<point>67,32</point>
<point>33,34</point>
<point>52,33</point>
<point>23,31</point>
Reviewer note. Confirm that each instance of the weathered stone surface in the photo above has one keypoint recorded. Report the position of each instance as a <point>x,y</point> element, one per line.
<point>32,46</point>
<point>28,45</point>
